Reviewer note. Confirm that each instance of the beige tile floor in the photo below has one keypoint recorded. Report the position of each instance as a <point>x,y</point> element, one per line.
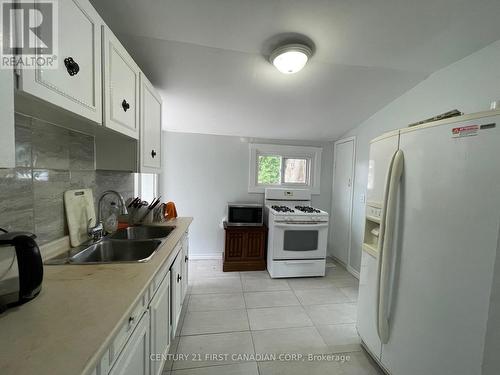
<point>242,319</point>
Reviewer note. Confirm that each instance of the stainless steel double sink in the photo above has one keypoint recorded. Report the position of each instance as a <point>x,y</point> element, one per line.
<point>130,245</point>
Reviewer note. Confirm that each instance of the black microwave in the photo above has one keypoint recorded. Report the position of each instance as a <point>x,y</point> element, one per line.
<point>245,214</point>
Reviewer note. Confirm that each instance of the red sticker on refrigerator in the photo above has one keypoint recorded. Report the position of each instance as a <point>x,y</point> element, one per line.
<point>465,131</point>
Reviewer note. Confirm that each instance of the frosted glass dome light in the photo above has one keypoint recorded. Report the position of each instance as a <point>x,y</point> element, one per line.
<point>291,58</point>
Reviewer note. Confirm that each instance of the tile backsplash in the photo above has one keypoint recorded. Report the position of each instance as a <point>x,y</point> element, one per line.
<point>50,160</point>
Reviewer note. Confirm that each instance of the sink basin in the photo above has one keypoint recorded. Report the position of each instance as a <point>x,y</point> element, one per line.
<point>116,251</point>
<point>142,233</point>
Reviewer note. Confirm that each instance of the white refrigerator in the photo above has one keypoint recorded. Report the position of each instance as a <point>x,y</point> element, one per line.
<point>429,295</point>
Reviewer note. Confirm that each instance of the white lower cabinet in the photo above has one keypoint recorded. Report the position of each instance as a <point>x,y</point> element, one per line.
<point>134,359</point>
<point>185,259</point>
<point>142,342</point>
<point>159,309</point>
<point>176,287</point>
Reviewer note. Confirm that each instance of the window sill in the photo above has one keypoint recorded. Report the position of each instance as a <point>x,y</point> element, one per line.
<point>262,189</point>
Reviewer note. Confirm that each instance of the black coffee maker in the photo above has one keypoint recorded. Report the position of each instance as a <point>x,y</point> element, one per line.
<point>21,268</point>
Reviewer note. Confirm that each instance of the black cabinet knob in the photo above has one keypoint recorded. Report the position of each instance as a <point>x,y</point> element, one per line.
<point>186,258</point>
<point>179,277</point>
<point>153,153</point>
<point>71,66</point>
<point>125,105</point>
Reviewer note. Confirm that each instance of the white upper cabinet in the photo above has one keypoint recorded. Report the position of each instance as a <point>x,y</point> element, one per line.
<point>121,87</point>
<point>150,148</point>
<point>75,84</point>
<point>7,143</point>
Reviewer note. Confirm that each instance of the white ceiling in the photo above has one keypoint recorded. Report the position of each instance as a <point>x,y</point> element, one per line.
<point>208,58</point>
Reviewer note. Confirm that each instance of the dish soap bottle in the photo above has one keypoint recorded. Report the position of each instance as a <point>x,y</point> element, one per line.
<point>111,222</point>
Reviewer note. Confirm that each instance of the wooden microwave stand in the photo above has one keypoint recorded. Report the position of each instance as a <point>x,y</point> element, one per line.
<point>245,248</point>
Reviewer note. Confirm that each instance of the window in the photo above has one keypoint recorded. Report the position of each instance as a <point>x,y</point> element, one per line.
<point>284,166</point>
<point>146,186</point>
<point>295,171</point>
<point>269,170</point>
<point>278,170</point>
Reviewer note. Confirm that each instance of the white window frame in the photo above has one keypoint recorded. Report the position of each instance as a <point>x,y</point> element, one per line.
<point>313,154</point>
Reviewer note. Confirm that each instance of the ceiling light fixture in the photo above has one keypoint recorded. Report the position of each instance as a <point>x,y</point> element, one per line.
<point>290,58</point>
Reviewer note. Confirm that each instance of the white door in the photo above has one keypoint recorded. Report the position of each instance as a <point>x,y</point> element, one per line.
<point>134,358</point>
<point>76,83</point>
<point>343,175</point>
<point>382,150</point>
<point>160,324</point>
<point>150,154</point>
<point>121,87</point>
<point>450,214</point>
<point>176,287</point>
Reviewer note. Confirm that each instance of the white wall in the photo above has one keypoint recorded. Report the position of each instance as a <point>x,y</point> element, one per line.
<point>468,85</point>
<point>202,173</point>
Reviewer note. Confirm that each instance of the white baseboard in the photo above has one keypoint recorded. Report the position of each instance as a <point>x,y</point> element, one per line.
<point>205,256</point>
<point>353,272</point>
<point>349,269</point>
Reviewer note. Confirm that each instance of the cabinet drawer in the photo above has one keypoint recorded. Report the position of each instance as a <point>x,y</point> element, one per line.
<point>75,84</point>
<point>127,328</point>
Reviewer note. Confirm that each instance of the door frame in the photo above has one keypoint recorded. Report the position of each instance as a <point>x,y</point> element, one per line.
<point>353,162</point>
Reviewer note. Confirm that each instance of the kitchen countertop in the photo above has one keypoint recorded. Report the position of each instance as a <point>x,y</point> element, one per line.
<point>71,323</point>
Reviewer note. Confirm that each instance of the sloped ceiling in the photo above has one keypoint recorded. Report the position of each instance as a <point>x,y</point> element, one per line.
<point>209,58</point>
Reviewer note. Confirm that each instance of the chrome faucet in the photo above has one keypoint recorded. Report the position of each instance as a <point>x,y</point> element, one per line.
<point>97,231</point>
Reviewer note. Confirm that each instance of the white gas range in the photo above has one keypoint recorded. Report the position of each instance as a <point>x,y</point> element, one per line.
<point>298,234</point>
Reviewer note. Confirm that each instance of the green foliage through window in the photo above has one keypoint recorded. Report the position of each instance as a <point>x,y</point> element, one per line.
<point>269,170</point>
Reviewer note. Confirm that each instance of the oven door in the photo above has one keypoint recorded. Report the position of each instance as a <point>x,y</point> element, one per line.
<point>300,241</point>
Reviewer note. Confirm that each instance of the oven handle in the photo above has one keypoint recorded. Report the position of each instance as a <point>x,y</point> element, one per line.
<point>303,226</point>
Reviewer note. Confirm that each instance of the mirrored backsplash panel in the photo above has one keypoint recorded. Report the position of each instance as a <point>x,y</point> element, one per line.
<point>50,160</point>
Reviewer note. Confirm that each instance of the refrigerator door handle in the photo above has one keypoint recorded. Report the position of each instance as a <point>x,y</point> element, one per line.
<point>386,244</point>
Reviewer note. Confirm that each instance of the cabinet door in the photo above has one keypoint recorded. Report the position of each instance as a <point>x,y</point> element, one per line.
<point>255,245</point>
<point>79,35</point>
<point>134,358</point>
<point>236,243</point>
<point>7,140</point>
<point>176,288</point>
<point>150,154</point>
<point>160,325</point>
<point>121,87</point>
<point>185,266</point>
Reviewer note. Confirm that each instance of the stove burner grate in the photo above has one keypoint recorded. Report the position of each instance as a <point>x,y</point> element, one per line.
<point>282,209</point>
<point>308,209</point>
